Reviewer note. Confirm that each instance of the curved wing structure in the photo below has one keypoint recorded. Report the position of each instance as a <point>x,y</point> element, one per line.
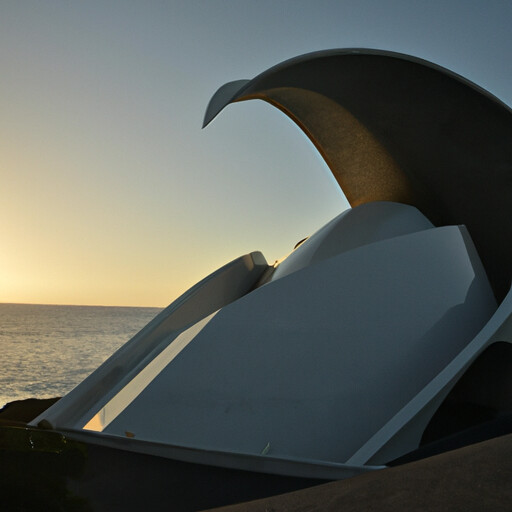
<point>395,128</point>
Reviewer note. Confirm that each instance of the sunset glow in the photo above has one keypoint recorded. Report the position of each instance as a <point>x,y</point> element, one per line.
<point>110,192</point>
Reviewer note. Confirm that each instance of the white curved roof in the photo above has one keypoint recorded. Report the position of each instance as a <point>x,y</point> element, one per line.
<point>315,363</point>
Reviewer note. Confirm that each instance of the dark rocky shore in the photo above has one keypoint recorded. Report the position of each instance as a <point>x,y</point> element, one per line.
<point>473,478</point>
<point>20,412</point>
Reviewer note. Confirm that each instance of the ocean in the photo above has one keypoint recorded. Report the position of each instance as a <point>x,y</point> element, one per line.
<point>47,350</point>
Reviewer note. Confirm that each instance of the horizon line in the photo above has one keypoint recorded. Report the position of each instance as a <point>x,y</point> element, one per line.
<point>77,305</point>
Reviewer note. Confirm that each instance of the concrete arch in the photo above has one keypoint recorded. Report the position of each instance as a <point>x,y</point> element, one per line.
<point>396,128</point>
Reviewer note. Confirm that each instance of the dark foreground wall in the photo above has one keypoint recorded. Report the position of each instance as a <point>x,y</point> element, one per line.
<point>475,478</point>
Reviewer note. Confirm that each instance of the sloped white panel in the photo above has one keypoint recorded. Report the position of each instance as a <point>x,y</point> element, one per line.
<point>313,364</point>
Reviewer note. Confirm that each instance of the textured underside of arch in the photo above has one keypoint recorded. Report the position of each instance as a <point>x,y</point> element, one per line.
<point>392,127</point>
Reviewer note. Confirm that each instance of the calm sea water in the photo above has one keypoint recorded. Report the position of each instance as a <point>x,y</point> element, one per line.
<point>47,350</point>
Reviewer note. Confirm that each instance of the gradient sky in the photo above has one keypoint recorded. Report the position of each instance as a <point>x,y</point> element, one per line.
<point>110,192</point>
